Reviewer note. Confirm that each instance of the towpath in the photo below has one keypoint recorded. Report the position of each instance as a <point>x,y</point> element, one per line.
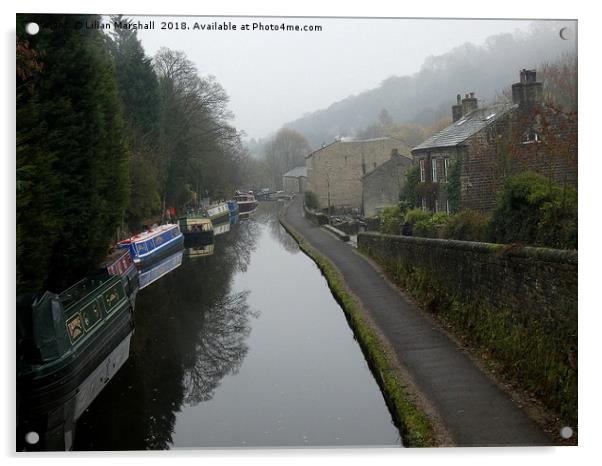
<point>473,409</point>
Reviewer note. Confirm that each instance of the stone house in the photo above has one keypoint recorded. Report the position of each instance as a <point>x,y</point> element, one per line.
<point>491,143</point>
<point>383,184</point>
<point>295,180</point>
<point>335,171</point>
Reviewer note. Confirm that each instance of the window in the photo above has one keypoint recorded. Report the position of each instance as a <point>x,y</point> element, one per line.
<point>445,167</point>
<point>447,208</point>
<point>422,174</point>
<point>436,205</point>
<point>434,168</point>
<point>423,203</point>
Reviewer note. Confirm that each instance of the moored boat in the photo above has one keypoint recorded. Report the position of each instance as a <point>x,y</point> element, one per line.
<point>119,262</point>
<point>61,341</point>
<point>154,243</point>
<point>218,213</point>
<point>195,225</point>
<point>246,203</point>
<point>233,207</point>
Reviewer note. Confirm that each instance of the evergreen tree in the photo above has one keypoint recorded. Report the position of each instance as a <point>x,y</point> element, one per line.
<point>71,153</point>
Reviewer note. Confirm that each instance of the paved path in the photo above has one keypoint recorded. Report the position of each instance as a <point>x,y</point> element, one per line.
<point>474,410</point>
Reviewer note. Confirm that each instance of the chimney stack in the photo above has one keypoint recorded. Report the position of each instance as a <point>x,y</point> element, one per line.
<point>528,91</point>
<point>469,103</point>
<point>457,109</point>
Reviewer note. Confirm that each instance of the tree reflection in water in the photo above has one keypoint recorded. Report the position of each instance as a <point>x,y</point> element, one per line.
<point>220,349</point>
<point>190,332</point>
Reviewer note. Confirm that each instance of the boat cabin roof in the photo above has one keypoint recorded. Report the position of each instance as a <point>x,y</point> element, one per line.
<point>151,233</point>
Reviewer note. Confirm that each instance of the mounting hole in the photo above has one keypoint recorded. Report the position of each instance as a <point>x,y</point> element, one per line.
<point>32,437</point>
<point>566,432</point>
<point>32,28</point>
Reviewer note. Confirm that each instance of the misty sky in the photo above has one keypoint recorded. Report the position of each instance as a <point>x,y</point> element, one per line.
<point>273,77</point>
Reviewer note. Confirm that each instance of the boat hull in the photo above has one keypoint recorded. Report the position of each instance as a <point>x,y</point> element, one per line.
<point>50,403</point>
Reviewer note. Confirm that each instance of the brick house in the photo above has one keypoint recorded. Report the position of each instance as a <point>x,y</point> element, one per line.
<point>491,143</point>
<point>295,180</point>
<point>335,171</point>
<point>383,184</point>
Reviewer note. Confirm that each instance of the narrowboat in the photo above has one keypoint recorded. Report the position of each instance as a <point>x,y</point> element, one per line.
<point>233,208</point>
<point>154,272</point>
<point>154,243</point>
<point>218,212</point>
<point>246,203</point>
<point>119,262</point>
<point>195,225</point>
<point>62,340</point>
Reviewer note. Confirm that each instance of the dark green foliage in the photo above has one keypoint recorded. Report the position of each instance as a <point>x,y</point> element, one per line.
<point>410,193</point>
<point>415,215</point>
<point>391,220</point>
<point>453,186</point>
<point>139,92</point>
<point>534,211</point>
<point>466,225</point>
<point>431,227</point>
<point>71,154</point>
<point>311,200</point>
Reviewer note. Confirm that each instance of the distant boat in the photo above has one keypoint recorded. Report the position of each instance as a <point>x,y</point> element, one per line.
<point>233,207</point>
<point>62,340</point>
<point>218,212</point>
<point>154,243</point>
<point>195,225</point>
<point>246,203</point>
<point>119,262</point>
<point>154,272</point>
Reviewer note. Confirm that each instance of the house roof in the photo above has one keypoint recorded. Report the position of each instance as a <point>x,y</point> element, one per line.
<point>466,126</point>
<point>394,160</point>
<point>354,141</point>
<point>296,172</point>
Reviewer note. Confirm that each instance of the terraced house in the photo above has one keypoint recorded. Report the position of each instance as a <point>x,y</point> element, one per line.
<point>465,165</point>
<point>334,172</point>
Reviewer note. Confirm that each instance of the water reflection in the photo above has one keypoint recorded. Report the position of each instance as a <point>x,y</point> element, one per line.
<point>190,332</point>
<point>221,347</point>
<point>154,272</point>
<point>54,419</point>
<point>242,345</point>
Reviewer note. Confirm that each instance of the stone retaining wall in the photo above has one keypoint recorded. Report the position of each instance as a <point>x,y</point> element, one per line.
<point>517,303</point>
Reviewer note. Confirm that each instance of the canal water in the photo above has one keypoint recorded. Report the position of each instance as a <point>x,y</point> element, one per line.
<point>242,345</point>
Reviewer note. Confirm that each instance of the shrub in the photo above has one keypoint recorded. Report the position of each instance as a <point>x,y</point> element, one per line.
<point>415,215</point>
<point>466,225</point>
<point>534,211</point>
<point>391,220</point>
<point>311,200</point>
<point>431,227</point>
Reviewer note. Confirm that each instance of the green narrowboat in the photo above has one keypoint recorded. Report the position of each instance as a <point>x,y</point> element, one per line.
<point>197,227</point>
<point>61,341</point>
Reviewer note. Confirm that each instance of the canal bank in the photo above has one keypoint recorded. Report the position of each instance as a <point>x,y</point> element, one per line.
<point>436,376</point>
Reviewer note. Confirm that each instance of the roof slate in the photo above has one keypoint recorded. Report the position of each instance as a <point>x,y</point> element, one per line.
<point>296,172</point>
<point>467,126</point>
